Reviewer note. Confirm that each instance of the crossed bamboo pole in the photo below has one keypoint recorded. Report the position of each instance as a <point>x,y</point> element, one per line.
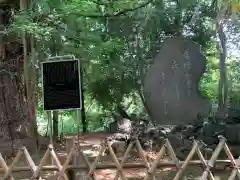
<point>151,168</point>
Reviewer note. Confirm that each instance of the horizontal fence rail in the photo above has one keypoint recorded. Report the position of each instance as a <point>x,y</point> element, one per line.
<point>120,165</point>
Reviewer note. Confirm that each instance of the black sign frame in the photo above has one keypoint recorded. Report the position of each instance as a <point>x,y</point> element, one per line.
<point>62,59</point>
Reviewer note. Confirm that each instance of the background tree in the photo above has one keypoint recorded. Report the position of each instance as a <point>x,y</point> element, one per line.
<point>116,42</point>
<point>17,107</point>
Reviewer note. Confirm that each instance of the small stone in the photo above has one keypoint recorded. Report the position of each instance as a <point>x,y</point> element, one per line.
<point>189,131</point>
<point>232,133</point>
<point>178,128</point>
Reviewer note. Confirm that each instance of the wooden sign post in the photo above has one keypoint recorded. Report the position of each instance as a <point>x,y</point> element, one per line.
<point>62,86</point>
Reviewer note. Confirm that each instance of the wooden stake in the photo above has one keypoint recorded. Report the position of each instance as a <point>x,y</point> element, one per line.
<point>49,114</point>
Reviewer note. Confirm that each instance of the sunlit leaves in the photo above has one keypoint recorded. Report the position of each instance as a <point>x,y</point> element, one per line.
<point>80,7</point>
<point>116,51</point>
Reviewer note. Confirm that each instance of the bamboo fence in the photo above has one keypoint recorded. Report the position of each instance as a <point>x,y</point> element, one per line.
<point>120,165</point>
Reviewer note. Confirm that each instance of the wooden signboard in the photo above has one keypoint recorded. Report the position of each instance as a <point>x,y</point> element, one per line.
<point>61,84</point>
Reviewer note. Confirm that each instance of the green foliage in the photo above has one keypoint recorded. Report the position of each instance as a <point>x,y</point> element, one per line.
<point>117,41</point>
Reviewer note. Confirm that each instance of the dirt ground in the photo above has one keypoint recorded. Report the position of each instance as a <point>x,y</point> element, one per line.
<point>89,140</point>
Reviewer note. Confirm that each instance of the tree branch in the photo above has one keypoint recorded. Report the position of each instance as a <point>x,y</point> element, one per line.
<point>144,102</point>
<point>115,14</point>
<point>213,4</point>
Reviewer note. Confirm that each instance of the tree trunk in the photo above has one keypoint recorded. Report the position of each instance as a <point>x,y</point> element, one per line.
<point>16,120</point>
<point>222,94</point>
<point>122,112</point>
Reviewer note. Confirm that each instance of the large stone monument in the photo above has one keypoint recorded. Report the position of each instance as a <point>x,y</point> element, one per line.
<point>171,83</point>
